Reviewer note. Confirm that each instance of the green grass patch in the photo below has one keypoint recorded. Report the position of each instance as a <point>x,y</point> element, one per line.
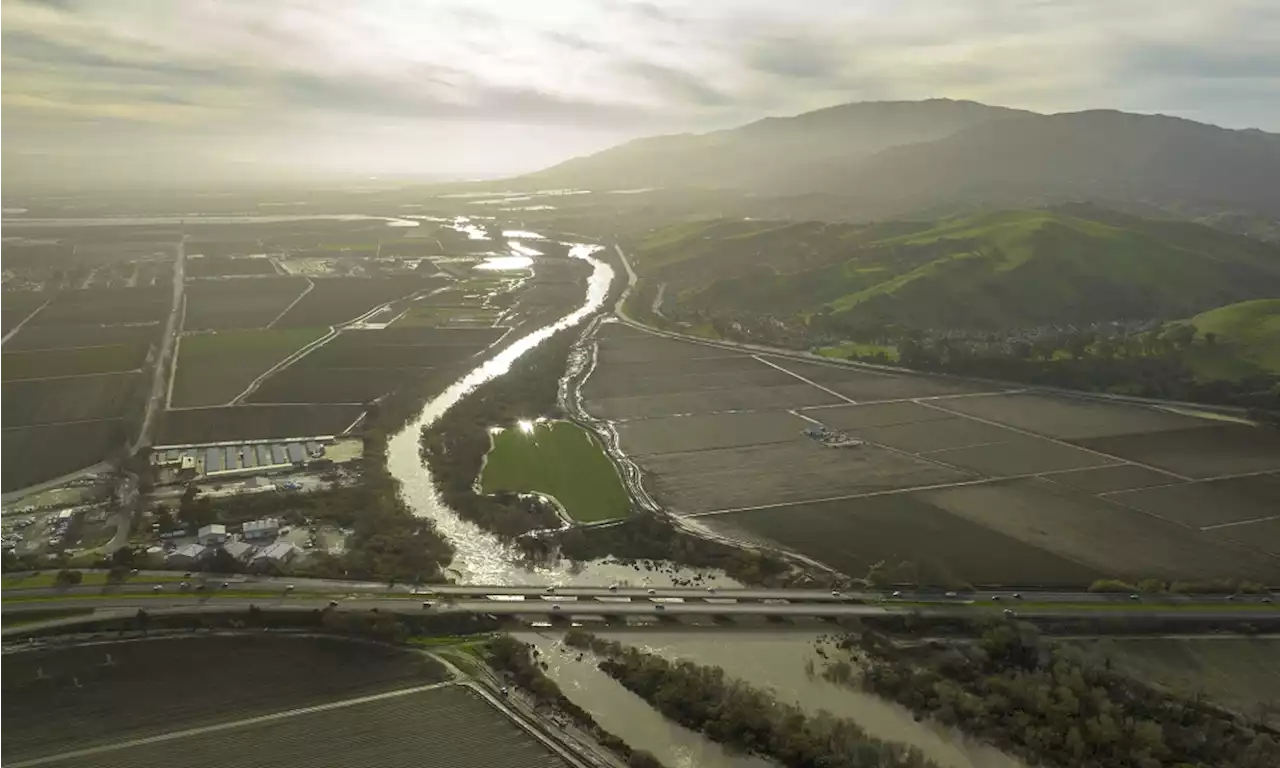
<point>1247,340</point>
<point>36,616</point>
<point>38,364</point>
<point>559,459</point>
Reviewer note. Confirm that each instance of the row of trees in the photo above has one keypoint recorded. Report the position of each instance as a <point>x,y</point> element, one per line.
<point>1053,705</point>
<point>734,713</point>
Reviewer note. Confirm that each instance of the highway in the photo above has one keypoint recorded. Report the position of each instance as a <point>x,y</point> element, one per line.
<point>168,582</point>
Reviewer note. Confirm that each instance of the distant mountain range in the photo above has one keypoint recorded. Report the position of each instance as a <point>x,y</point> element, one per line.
<point>899,159</point>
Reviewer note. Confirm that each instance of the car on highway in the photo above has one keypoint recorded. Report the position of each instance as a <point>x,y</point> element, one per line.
<point>426,604</point>
<point>333,603</point>
<point>185,585</point>
<point>288,587</point>
<point>555,607</point>
<point>897,593</point>
<point>156,588</point>
<point>836,593</point>
<point>1134,596</point>
<point>659,607</point>
<point>613,587</point>
<point>951,594</point>
<point>651,591</point>
<point>549,591</point>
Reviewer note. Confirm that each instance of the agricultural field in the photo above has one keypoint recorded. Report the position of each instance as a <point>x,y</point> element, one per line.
<point>337,300</point>
<point>213,368</point>
<point>53,363</point>
<point>230,304</point>
<point>226,266</point>
<point>121,691</point>
<point>362,365</point>
<point>449,726</point>
<point>559,459</point>
<point>82,398</point>
<point>106,306</point>
<point>962,484</point>
<point>19,305</point>
<point>254,422</point>
<point>36,454</point>
<point>71,336</point>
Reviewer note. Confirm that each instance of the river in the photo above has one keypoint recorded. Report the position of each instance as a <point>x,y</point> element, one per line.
<point>771,660</point>
<point>480,557</point>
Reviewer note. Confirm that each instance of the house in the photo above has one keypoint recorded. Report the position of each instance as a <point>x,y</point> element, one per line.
<point>242,551</point>
<point>212,535</point>
<point>273,557</point>
<point>257,530</point>
<point>187,556</point>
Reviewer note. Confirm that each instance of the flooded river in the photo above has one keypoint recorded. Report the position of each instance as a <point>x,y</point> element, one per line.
<point>480,557</point>
<point>628,716</point>
<point>766,659</point>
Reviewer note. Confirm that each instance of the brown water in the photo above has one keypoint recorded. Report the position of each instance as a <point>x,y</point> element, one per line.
<point>628,716</point>
<point>776,661</point>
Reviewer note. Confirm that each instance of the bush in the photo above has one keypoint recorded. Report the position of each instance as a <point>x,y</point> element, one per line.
<point>1111,585</point>
<point>68,578</point>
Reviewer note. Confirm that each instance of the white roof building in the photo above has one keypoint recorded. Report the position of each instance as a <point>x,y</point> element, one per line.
<point>261,529</point>
<point>214,533</point>
<point>188,554</point>
<point>240,550</point>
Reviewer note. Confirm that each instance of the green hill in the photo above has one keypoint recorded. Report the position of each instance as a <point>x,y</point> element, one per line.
<point>1246,340</point>
<point>1008,269</point>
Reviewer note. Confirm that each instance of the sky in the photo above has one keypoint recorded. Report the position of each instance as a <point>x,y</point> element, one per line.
<point>471,88</point>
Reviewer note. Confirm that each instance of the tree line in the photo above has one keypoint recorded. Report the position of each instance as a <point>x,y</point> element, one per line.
<point>741,716</point>
<point>516,660</point>
<point>1053,705</point>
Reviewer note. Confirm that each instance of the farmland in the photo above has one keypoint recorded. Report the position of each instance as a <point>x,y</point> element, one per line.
<point>216,266</point>
<point>53,401</point>
<point>134,689</point>
<point>362,365</point>
<point>559,459</point>
<point>75,374</point>
<point>254,422</point>
<point>229,304</point>
<point>35,454</point>
<point>337,300</point>
<point>215,367</point>
<point>450,726</point>
<point>954,481</point>
<point>71,336</point>
<point>43,364</point>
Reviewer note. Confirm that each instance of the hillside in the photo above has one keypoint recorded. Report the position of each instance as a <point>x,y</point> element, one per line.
<point>756,155</point>
<point>907,159</point>
<point>1245,340</point>
<point>1010,269</point>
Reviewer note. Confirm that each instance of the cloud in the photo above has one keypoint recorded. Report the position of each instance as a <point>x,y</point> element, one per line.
<point>247,74</point>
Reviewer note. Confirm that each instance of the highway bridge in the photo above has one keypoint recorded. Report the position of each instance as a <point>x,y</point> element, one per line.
<point>219,594</point>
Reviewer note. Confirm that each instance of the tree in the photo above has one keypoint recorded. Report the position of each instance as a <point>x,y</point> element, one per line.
<point>142,619</point>
<point>118,573</point>
<point>1210,338</point>
<point>1181,335</point>
<point>68,578</point>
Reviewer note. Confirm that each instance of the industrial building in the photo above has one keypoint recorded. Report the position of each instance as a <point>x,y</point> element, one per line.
<point>256,530</point>
<point>248,457</point>
<point>212,535</point>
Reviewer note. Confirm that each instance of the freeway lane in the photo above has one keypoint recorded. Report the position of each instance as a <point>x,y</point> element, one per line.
<point>146,583</point>
<point>125,605</point>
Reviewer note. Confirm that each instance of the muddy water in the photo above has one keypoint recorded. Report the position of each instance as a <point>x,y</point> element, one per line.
<point>480,557</point>
<point>777,661</point>
<point>629,717</point>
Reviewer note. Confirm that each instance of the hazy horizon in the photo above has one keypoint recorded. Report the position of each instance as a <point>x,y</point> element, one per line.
<point>226,90</point>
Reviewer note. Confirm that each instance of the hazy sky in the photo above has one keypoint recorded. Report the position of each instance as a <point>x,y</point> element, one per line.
<point>496,86</point>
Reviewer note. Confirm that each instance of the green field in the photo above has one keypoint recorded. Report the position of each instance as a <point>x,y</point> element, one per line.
<point>215,367</point>
<point>559,459</point>
<point>1246,340</point>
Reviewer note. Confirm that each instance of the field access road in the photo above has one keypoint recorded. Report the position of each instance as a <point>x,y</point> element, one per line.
<point>164,364</point>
